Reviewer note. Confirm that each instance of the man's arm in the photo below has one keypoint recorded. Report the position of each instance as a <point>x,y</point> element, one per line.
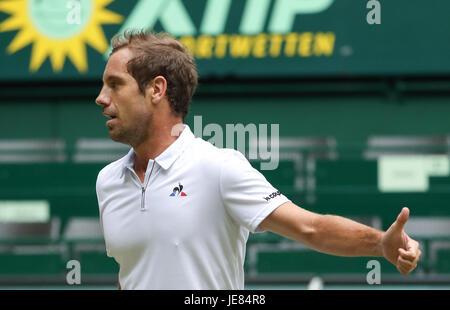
<point>340,236</point>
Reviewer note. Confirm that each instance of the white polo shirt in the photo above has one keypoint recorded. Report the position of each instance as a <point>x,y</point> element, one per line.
<point>188,228</point>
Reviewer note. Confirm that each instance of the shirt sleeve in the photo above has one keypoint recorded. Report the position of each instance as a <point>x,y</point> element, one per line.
<point>248,197</point>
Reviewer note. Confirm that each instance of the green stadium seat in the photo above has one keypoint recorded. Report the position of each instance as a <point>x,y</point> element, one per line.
<point>429,227</point>
<point>83,229</point>
<point>20,151</point>
<point>97,263</point>
<point>267,237</point>
<point>301,260</point>
<point>443,261</point>
<point>439,257</point>
<point>283,178</point>
<point>400,145</point>
<point>31,248</point>
<point>41,261</point>
<point>86,244</point>
<point>433,234</point>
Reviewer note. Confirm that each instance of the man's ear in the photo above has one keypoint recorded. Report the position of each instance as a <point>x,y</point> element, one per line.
<point>156,89</point>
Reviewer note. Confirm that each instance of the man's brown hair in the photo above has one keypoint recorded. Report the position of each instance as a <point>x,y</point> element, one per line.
<point>159,54</point>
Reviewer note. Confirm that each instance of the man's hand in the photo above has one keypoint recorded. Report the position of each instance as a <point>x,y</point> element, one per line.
<point>398,247</point>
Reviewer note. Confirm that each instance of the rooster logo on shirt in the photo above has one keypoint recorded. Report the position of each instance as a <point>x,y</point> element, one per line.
<point>178,191</point>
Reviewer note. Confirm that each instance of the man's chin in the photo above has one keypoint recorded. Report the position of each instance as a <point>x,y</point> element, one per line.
<point>118,138</point>
<point>115,137</point>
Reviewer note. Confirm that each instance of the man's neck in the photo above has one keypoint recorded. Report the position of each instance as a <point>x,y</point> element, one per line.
<point>157,142</point>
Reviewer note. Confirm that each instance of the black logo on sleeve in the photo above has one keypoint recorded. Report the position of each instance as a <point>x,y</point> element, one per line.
<point>273,195</point>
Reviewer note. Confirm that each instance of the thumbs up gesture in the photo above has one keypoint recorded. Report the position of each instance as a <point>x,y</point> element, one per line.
<point>398,247</point>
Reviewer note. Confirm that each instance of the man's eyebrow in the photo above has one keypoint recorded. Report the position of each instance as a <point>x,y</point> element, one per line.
<point>113,78</point>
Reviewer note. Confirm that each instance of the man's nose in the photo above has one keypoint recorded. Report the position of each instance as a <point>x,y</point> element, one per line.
<point>102,99</point>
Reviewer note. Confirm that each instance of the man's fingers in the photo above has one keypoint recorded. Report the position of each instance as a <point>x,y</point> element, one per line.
<point>412,252</point>
<point>406,263</point>
<point>403,270</point>
<point>410,255</point>
<point>405,266</point>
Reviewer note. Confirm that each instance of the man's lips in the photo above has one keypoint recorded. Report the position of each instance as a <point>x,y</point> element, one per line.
<point>109,122</point>
<point>111,118</point>
<point>109,115</point>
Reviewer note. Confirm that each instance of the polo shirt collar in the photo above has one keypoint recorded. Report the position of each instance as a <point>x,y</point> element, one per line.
<point>170,155</point>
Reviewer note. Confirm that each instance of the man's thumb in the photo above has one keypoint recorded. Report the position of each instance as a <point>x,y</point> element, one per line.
<point>402,218</point>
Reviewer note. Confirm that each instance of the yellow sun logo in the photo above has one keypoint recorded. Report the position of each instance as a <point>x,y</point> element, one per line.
<point>58,29</point>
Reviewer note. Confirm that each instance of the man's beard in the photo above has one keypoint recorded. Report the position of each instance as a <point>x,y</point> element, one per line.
<point>134,135</point>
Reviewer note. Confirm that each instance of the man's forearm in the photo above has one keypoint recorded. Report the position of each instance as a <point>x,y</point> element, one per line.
<point>337,235</point>
<point>340,236</point>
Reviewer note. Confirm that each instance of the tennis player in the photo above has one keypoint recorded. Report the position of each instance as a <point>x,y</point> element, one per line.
<point>176,211</point>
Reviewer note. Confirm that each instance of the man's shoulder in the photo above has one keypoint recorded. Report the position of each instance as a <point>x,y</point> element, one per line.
<point>206,152</point>
<point>111,169</point>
